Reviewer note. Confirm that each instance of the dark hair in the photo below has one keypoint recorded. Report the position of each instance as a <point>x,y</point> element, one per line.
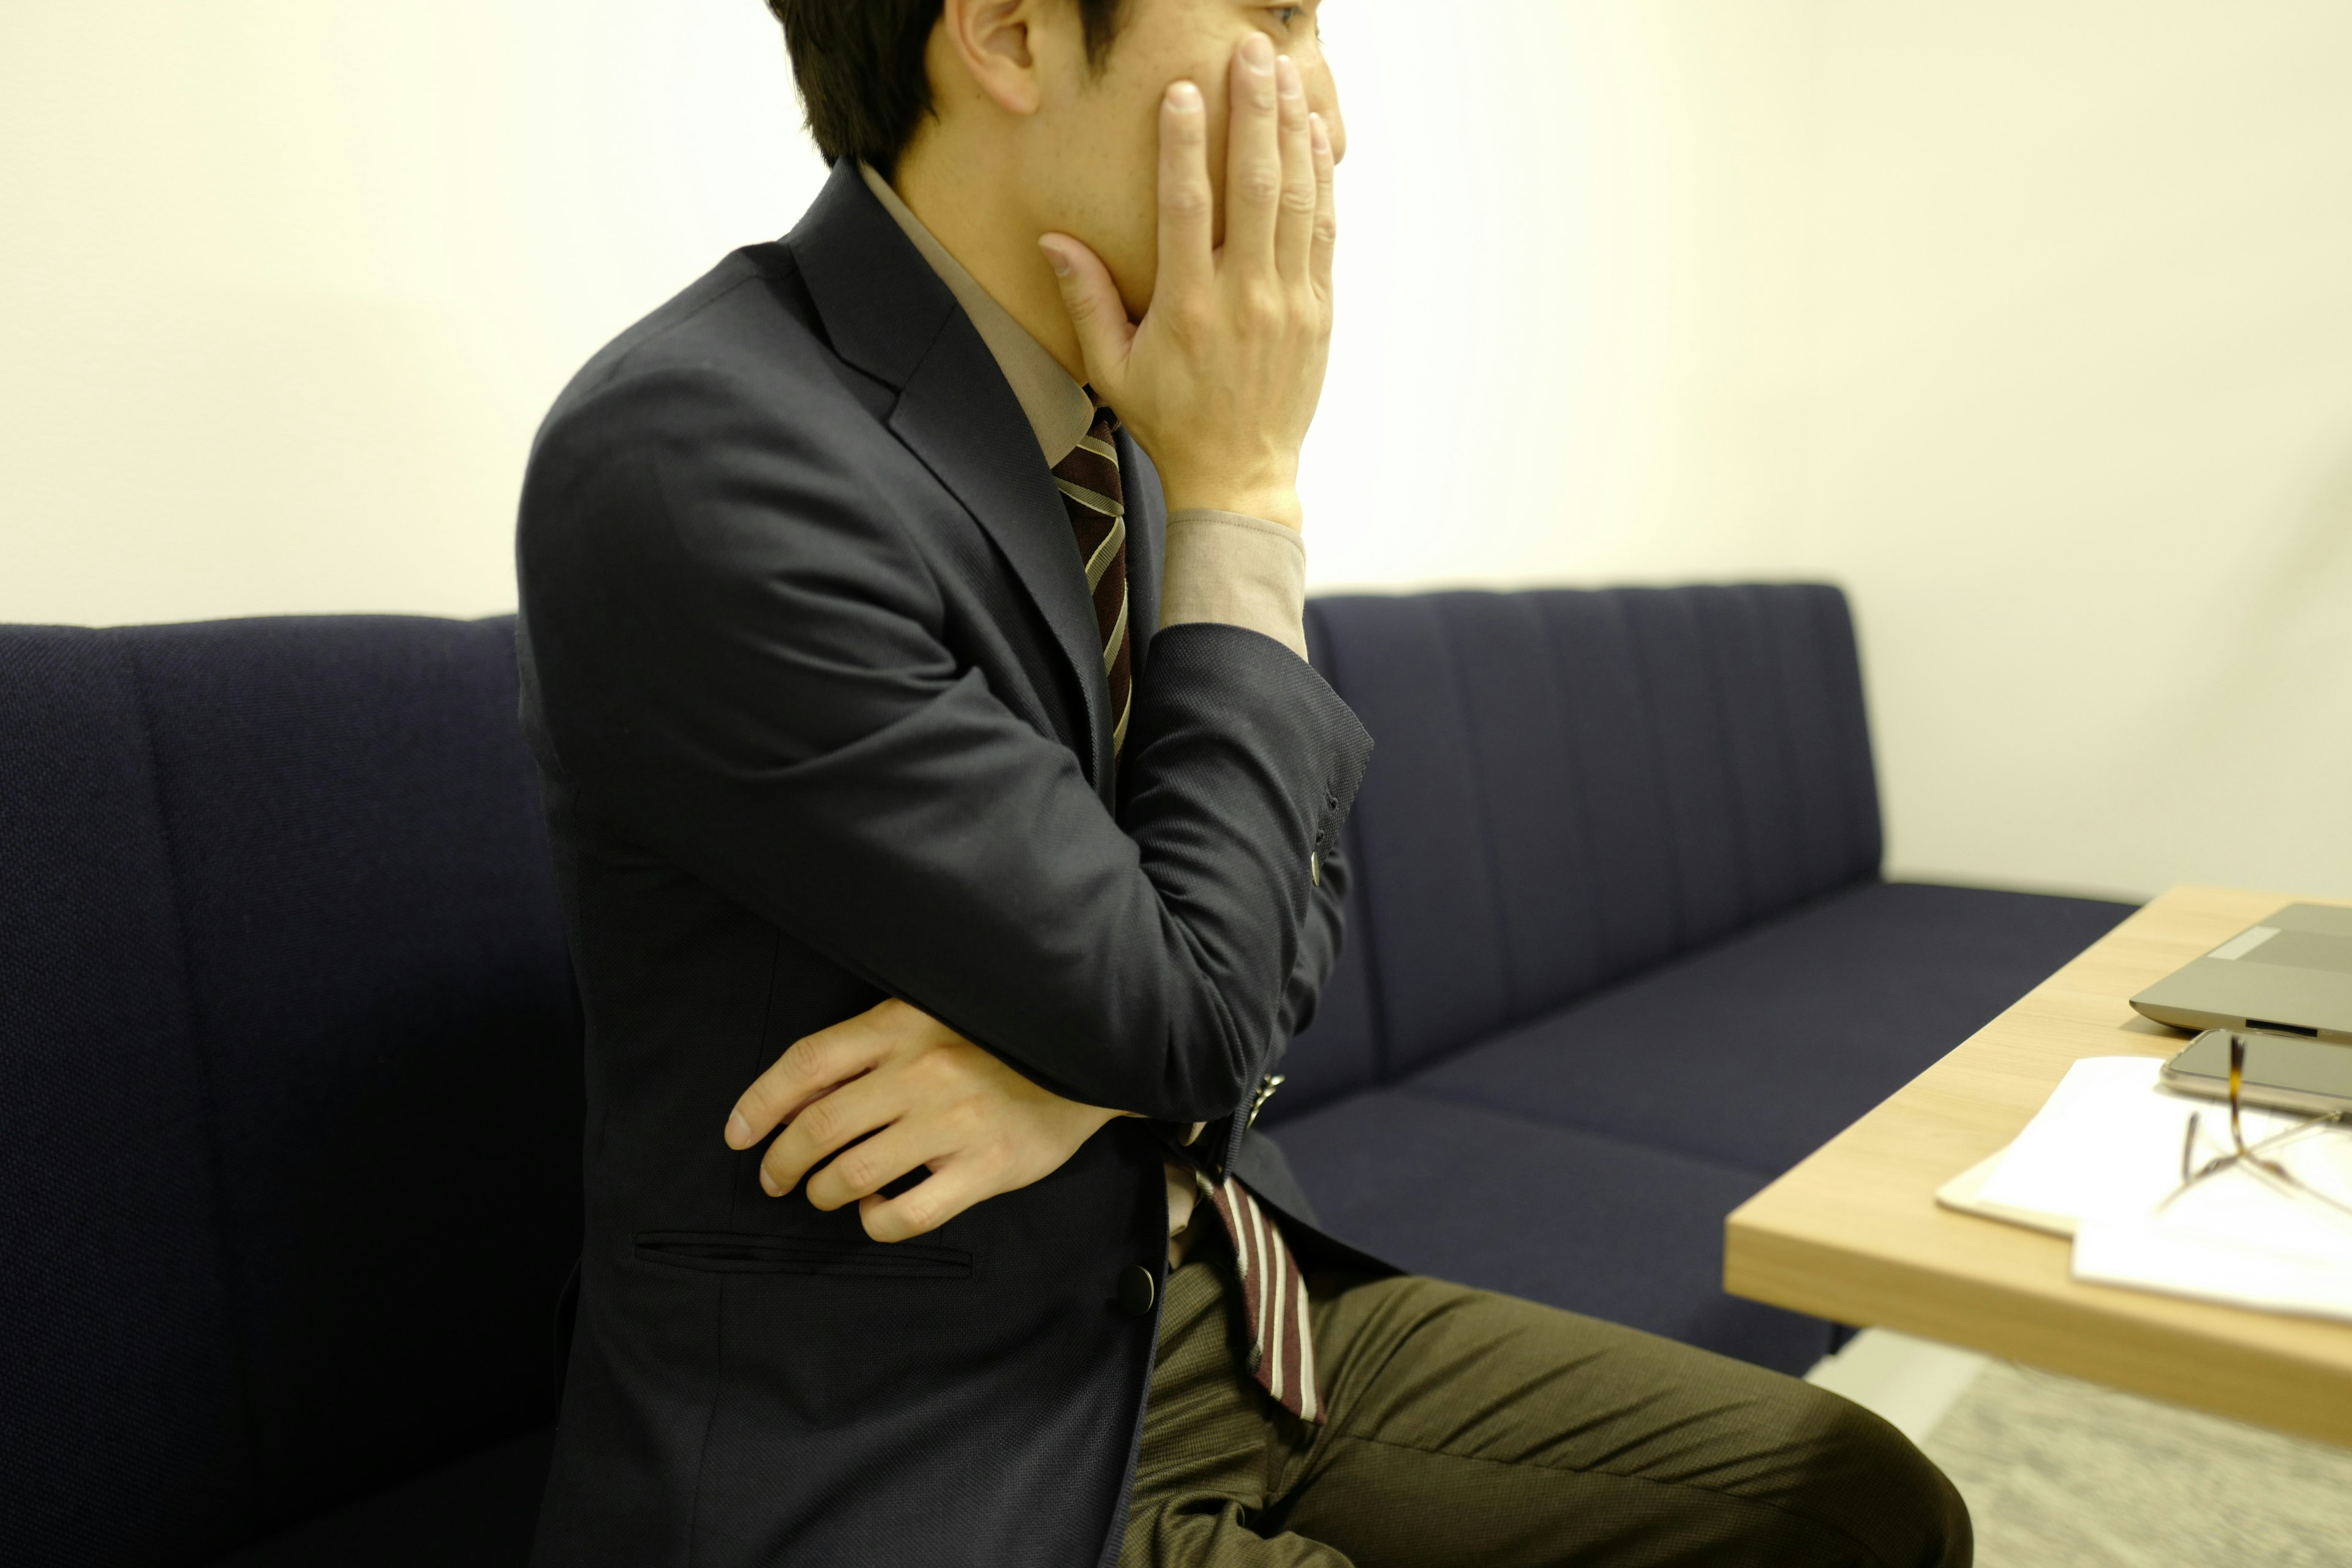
<point>860,66</point>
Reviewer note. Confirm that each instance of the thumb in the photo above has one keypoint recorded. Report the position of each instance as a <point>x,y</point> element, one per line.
<point>1095,307</point>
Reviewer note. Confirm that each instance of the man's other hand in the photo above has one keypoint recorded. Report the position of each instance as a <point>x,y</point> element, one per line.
<point>893,1090</point>
<point>1220,379</point>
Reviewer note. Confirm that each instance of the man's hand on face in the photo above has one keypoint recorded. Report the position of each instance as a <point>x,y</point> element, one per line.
<point>1220,379</point>
<point>928,1096</point>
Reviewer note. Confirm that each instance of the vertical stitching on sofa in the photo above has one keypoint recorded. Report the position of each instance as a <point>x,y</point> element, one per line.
<point>1596,902</point>
<point>1483,813</point>
<point>232,1276</point>
<point>1808,879</point>
<point>1646,700</point>
<point>1783,742</point>
<point>1713,652</point>
<point>1554,984</point>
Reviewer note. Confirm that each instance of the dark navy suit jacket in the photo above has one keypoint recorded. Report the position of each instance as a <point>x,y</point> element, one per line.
<point>813,680</point>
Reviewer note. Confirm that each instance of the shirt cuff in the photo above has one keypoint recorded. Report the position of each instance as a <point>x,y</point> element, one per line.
<point>1239,571</point>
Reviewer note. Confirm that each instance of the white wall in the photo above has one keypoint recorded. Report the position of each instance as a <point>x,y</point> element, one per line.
<point>288,284</point>
<point>2082,430</point>
<point>2028,322</point>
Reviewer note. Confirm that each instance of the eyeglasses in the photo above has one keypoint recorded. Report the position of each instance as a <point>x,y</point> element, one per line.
<point>2256,1157</point>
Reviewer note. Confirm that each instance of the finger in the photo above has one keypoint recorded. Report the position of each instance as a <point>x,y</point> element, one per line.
<point>823,1126</point>
<point>814,1065</point>
<point>1095,309</point>
<point>1294,242</point>
<point>1188,202</point>
<point>1252,158</point>
<point>866,1167</point>
<point>926,1205</point>
<point>1327,208</point>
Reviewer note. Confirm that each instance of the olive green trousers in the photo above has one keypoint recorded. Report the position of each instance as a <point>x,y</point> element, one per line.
<point>1475,1429</point>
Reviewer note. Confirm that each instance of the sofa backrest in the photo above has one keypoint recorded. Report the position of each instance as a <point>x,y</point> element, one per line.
<point>289,1074</point>
<point>1567,787</point>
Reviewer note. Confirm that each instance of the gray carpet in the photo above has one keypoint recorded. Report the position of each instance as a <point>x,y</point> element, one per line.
<point>2060,1474</point>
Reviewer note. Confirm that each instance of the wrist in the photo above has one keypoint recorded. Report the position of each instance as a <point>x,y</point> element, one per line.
<point>1275,503</point>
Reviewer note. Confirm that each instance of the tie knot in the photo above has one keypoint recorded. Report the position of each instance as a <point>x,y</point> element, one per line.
<point>1106,423</point>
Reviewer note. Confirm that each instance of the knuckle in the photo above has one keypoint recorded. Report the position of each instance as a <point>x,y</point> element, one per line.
<point>854,1171</point>
<point>820,1123</point>
<point>1188,201</point>
<point>1261,184</point>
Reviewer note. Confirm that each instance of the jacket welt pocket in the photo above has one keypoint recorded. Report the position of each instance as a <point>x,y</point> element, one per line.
<point>728,1252</point>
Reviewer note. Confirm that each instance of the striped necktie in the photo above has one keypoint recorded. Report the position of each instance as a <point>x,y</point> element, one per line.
<point>1089,481</point>
<point>1274,1293</point>
<point>1274,1298</point>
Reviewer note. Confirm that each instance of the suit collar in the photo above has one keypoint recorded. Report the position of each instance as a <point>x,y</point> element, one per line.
<point>1059,408</point>
<point>880,304</point>
<point>889,314</point>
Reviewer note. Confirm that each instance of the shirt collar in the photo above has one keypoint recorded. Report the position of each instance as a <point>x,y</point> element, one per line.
<point>1059,408</point>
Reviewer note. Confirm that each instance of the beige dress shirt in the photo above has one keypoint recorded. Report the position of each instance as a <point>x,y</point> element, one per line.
<point>1220,567</point>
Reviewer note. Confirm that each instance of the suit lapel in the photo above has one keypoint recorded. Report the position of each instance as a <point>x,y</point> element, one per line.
<point>982,449</point>
<point>890,315</point>
<point>1146,544</point>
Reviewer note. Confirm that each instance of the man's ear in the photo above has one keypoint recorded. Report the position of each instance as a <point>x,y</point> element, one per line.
<point>992,43</point>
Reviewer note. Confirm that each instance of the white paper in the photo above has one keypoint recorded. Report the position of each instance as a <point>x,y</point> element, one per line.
<point>2106,1149</point>
<point>2146,1255</point>
<point>2107,1143</point>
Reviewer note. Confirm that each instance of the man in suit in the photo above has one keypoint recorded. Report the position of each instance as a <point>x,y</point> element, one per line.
<point>912,652</point>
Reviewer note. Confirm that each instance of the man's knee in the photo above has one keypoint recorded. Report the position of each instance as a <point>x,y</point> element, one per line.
<point>1876,1485</point>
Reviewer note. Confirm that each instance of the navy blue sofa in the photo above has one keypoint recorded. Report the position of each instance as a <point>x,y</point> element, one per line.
<point>288,1135</point>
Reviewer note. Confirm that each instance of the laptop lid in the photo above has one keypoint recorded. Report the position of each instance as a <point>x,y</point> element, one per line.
<point>2292,975</point>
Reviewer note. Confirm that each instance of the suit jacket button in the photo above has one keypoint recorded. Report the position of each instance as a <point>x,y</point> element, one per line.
<point>1137,1287</point>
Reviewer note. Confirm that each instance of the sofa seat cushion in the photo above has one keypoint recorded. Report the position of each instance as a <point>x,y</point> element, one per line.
<point>477,1512</point>
<point>1756,1051</point>
<point>1575,1220</point>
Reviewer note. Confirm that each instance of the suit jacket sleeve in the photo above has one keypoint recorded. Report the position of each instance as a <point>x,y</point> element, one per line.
<point>743,662</point>
<point>1216,1145</point>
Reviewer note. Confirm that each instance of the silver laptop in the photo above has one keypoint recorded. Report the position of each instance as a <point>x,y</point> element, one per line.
<point>2292,975</point>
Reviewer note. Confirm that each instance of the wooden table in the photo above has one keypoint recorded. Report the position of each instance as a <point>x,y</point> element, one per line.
<point>1854,1235</point>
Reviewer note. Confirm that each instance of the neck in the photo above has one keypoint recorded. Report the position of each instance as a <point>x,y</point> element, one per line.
<point>970,203</point>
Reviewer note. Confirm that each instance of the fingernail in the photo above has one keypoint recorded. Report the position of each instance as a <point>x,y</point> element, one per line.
<point>1184,97</point>
<point>768,1184</point>
<point>738,1132</point>
<point>1055,259</point>
<point>1286,76</point>
<point>1257,52</point>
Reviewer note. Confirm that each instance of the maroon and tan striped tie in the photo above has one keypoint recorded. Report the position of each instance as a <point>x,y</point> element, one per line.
<point>1274,1298</point>
<point>1274,1293</point>
<point>1089,481</point>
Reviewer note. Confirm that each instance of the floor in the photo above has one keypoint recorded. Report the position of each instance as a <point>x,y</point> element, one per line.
<point>2061,1474</point>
